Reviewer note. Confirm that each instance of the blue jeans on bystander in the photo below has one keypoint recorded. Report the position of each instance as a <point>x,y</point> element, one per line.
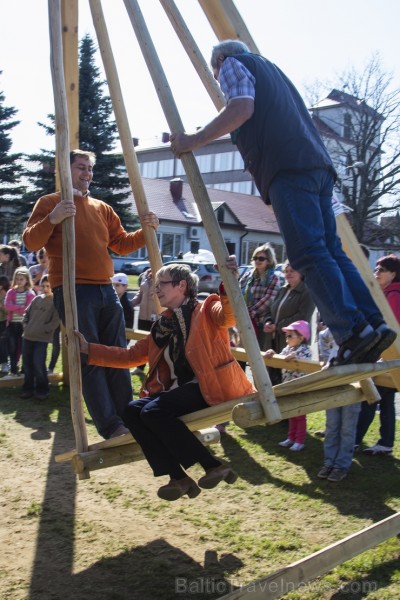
<point>340,435</point>
<point>35,371</point>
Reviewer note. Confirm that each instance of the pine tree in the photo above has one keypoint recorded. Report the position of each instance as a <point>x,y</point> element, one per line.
<point>98,134</point>
<point>10,172</point>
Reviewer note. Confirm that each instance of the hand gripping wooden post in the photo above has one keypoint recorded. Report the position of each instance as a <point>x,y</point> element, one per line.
<point>68,232</point>
<point>125,134</point>
<point>217,243</point>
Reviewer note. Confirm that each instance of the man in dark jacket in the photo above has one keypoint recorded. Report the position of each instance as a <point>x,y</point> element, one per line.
<point>292,169</point>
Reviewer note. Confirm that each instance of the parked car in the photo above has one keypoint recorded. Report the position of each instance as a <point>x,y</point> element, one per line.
<point>209,277</point>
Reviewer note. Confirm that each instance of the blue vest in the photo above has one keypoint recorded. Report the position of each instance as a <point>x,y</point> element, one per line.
<point>280,135</point>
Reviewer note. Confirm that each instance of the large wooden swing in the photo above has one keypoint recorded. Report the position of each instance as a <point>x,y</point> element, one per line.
<point>335,387</point>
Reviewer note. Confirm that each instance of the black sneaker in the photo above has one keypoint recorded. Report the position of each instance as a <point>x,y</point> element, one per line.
<point>387,337</point>
<point>355,349</point>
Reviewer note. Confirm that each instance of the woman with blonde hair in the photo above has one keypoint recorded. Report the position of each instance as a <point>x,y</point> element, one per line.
<point>259,288</point>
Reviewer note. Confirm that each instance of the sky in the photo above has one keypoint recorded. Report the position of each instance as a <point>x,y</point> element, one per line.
<point>308,39</point>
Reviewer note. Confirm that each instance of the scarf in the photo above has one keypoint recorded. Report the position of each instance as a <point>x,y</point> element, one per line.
<point>173,331</point>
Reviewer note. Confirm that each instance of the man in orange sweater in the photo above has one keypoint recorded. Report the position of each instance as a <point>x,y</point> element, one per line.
<point>98,228</point>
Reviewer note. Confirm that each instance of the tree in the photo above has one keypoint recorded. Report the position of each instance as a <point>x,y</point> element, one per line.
<point>11,171</point>
<point>360,123</point>
<point>98,134</point>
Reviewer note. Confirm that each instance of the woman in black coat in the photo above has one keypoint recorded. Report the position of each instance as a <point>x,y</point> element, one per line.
<point>293,303</point>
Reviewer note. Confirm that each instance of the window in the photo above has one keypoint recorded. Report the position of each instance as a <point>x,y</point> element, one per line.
<point>347,126</point>
<point>238,161</point>
<point>149,169</point>
<point>220,215</point>
<point>224,161</point>
<point>166,168</point>
<point>205,163</point>
<point>242,187</point>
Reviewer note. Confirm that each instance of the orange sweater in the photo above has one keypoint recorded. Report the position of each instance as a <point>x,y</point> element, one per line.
<point>97,228</point>
<point>207,349</point>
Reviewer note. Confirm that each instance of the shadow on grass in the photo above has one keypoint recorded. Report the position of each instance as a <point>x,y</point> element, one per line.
<point>155,571</point>
<point>372,477</point>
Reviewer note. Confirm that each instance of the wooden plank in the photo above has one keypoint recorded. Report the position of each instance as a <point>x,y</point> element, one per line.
<point>68,230</point>
<point>208,216</point>
<point>250,414</point>
<point>112,457</point>
<point>132,165</point>
<point>335,376</point>
<point>297,574</point>
<point>248,408</point>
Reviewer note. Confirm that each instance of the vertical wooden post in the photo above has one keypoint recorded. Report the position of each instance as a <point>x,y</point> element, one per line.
<point>69,28</point>
<point>68,232</point>
<point>131,162</point>
<point>217,243</point>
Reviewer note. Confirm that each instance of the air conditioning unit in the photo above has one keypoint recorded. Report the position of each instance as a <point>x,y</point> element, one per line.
<point>194,233</point>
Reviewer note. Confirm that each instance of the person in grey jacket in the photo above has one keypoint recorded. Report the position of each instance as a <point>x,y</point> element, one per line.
<point>39,321</point>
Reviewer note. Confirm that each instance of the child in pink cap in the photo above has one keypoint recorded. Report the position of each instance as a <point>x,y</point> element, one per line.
<point>298,335</point>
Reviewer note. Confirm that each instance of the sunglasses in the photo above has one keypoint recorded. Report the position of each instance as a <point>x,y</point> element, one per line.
<point>161,283</point>
<point>291,335</point>
<point>380,270</point>
<point>261,258</point>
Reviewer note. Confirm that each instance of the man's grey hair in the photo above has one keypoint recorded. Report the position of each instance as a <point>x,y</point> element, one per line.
<point>227,48</point>
<point>177,272</point>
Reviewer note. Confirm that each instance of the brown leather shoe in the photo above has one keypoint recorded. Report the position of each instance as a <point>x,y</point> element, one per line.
<point>215,475</point>
<point>176,488</point>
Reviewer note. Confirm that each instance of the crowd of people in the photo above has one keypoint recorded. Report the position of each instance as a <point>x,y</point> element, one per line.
<point>188,347</point>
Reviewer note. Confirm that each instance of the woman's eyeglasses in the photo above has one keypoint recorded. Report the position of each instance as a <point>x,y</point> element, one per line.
<point>380,270</point>
<point>161,283</point>
<point>260,258</point>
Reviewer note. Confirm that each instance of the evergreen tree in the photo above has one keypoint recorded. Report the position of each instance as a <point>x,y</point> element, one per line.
<point>10,172</point>
<point>98,134</point>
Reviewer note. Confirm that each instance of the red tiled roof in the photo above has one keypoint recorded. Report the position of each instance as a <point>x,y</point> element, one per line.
<point>250,210</point>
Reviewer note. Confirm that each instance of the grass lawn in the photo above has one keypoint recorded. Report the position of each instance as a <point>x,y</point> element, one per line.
<point>121,542</point>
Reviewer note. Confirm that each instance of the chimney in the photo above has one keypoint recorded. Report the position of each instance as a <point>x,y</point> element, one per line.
<point>176,188</point>
<point>165,137</point>
<point>135,141</point>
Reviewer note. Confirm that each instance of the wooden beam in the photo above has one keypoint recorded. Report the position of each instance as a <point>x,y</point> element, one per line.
<point>125,135</point>
<point>208,216</point>
<point>68,230</point>
<point>111,457</point>
<point>297,574</point>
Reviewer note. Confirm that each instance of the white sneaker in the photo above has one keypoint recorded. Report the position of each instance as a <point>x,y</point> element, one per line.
<point>297,447</point>
<point>4,368</point>
<point>11,376</point>
<point>286,443</point>
<point>378,449</point>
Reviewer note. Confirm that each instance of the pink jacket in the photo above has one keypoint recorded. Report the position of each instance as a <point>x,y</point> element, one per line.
<point>11,306</point>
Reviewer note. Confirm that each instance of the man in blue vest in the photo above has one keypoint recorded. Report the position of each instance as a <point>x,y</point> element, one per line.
<point>282,149</point>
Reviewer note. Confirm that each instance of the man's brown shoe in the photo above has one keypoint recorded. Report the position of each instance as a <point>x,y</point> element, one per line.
<point>215,475</point>
<point>176,488</point>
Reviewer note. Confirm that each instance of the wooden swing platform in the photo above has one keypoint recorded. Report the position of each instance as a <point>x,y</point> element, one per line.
<point>330,388</point>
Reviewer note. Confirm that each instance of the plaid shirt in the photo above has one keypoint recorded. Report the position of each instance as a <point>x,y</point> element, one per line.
<point>262,293</point>
<point>235,80</point>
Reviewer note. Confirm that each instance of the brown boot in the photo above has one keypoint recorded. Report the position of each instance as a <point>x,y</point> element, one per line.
<point>176,488</point>
<point>215,475</point>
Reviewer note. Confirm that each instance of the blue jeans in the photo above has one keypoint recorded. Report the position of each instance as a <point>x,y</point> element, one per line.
<point>302,204</point>
<point>35,372</point>
<point>387,416</point>
<point>14,333</point>
<point>107,391</point>
<point>340,435</point>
